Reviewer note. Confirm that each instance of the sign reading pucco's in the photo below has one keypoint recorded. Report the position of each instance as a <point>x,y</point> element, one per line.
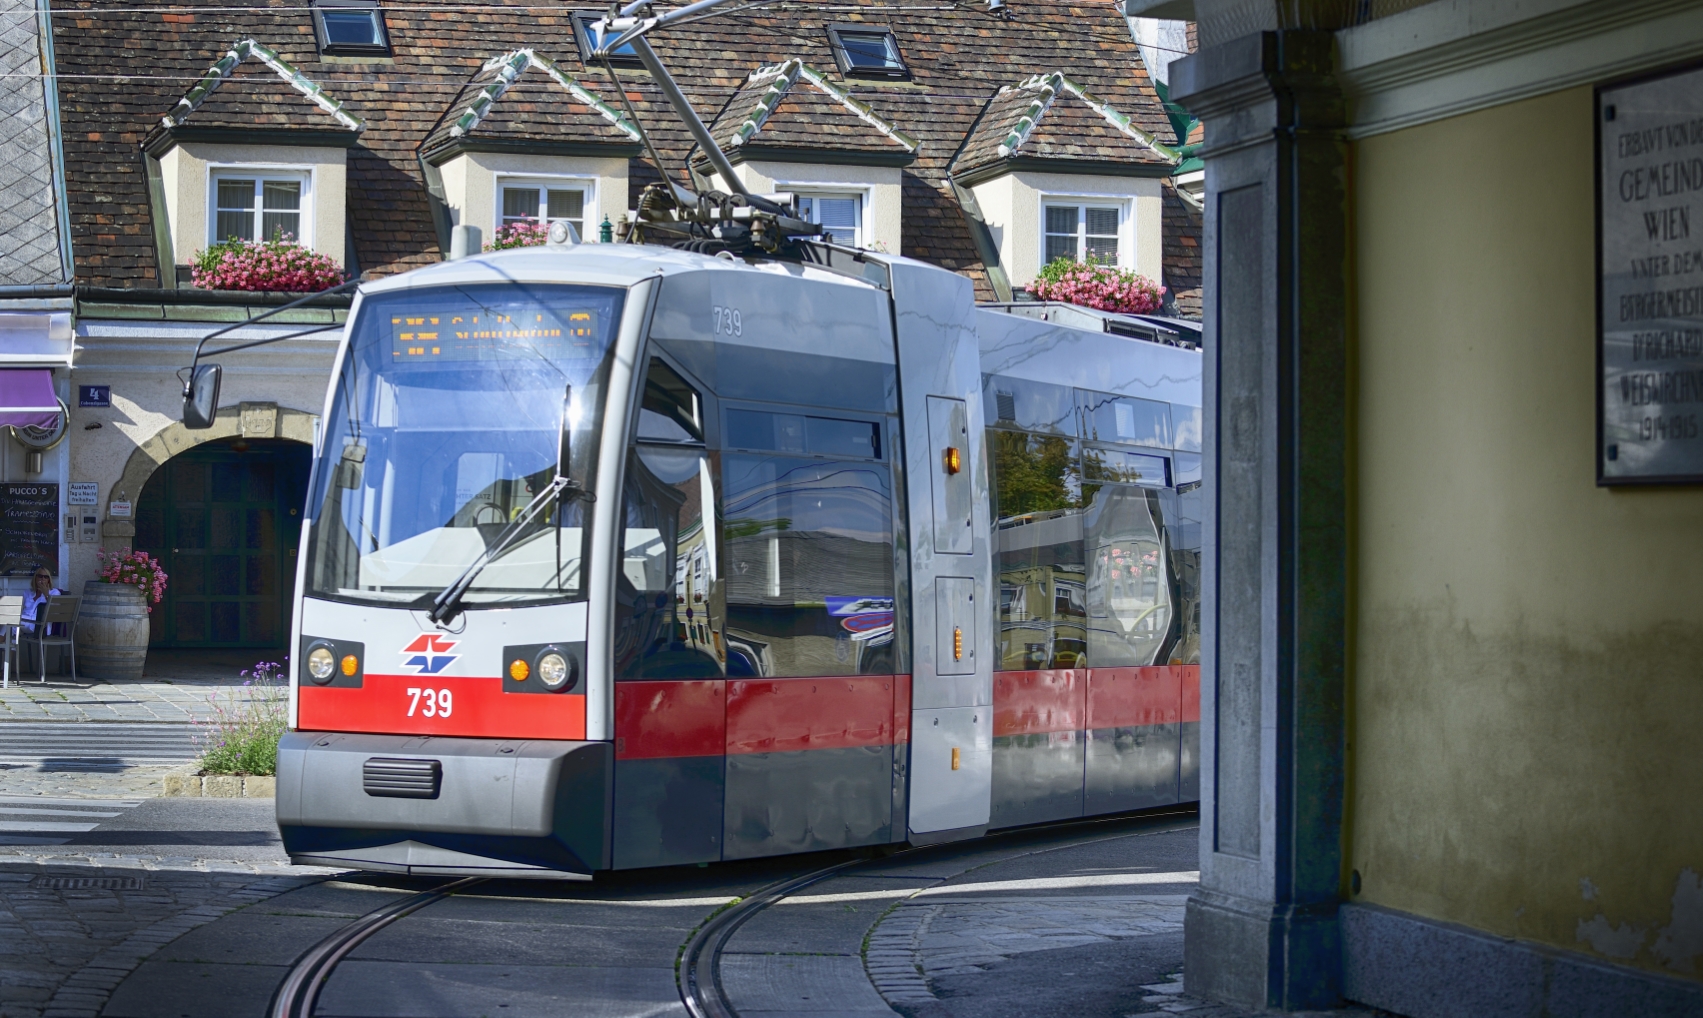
<point>1650,285</point>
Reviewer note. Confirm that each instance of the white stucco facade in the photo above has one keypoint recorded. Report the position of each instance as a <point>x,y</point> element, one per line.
<point>1012,206</point>
<point>268,392</point>
<point>471,181</point>
<point>188,171</point>
<point>880,188</point>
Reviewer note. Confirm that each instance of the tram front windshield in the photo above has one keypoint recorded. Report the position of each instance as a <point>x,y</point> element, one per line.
<point>447,421</point>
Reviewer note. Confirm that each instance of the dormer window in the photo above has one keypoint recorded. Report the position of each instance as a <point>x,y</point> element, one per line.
<point>589,36</point>
<point>868,51</point>
<point>261,204</point>
<point>350,28</point>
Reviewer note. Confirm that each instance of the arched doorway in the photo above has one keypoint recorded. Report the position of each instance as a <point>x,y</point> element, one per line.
<point>224,519</point>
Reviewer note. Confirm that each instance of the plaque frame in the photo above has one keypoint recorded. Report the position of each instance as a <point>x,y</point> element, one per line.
<point>1598,121</point>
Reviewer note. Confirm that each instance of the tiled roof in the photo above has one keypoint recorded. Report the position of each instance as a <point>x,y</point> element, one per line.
<point>772,102</point>
<point>1181,252</point>
<point>567,112</point>
<point>227,64</point>
<point>122,71</point>
<point>1051,116</point>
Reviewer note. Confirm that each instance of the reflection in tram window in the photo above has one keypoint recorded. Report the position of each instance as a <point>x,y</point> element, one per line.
<point>1129,577</point>
<point>1108,418</point>
<point>1084,534</point>
<point>1038,537</point>
<point>809,564</point>
<point>669,598</point>
<point>1183,531</point>
<point>668,592</point>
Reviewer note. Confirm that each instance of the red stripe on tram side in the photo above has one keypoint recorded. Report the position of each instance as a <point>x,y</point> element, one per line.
<point>667,719</point>
<point>1191,692</point>
<point>789,715</point>
<point>1033,703</point>
<point>478,708</point>
<point>901,710</point>
<point>1132,697</point>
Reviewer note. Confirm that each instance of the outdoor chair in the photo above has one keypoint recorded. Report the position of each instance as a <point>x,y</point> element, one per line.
<point>11,617</point>
<point>60,611</point>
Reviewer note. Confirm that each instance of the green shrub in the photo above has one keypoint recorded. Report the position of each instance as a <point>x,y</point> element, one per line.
<point>242,735</point>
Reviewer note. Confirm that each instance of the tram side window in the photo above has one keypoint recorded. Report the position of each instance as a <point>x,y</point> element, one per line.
<point>1088,570</point>
<point>1184,532</point>
<point>669,593</point>
<point>809,536</point>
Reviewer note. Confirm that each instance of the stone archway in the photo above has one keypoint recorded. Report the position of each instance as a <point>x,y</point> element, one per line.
<point>245,420</point>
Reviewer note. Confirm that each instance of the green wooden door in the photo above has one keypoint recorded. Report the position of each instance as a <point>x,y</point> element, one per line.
<point>225,522</point>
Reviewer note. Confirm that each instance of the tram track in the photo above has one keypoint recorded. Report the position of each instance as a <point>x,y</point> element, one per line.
<point>299,991</point>
<point>698,974</point>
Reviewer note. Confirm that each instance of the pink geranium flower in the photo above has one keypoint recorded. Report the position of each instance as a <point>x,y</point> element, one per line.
<point>273,266</point>
<point>1093,285</point>
<point>523,234</point>
<point>136,569</point>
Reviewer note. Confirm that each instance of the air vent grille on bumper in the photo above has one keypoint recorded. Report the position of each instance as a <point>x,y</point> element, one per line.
<point>401,779</point>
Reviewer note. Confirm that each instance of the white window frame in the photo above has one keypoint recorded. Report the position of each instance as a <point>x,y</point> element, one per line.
<point>818,190</point>
<point>260,172</point>
<point>545,181</point>
<point>1126,223</point>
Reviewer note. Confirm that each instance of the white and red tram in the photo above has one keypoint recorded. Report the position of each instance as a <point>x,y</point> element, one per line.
<point>622,556</point>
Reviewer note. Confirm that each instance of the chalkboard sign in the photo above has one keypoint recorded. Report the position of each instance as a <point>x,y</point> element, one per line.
<point>29,528</point>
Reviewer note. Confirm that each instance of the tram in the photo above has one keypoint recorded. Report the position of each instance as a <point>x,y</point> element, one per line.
<point>623,556</point>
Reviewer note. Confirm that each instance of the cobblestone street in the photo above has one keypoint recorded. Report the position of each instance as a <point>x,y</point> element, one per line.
<point>75,925</point>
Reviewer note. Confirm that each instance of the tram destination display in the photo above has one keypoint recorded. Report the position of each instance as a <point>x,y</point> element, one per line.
<point>513,329</point>
<point>29,528</point>
<point>1650,280</point>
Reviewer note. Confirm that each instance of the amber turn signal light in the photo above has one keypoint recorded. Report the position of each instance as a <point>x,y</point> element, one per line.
<point>954,757</point>
<point>952,464</point>
<point>350,664</point>
<point>519,670</point>
<point>957,644</point>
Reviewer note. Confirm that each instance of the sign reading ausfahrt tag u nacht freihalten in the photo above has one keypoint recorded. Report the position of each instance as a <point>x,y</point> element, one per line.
<point>1650,284</point>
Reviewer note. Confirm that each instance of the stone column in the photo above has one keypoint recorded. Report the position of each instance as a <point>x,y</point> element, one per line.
<point>1262,929</point>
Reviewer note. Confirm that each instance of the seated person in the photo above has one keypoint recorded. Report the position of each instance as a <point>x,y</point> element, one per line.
<point>41,588</point>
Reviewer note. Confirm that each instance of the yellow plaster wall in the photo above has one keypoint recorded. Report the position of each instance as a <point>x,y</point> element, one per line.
<point>1528,687</point>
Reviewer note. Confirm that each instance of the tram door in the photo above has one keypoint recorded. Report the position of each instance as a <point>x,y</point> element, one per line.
<point>759,685</point>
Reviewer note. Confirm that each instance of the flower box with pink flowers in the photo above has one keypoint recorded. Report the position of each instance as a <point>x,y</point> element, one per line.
<point>266,266</point>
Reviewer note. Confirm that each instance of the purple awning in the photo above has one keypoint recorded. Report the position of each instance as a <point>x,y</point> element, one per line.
<point>27,399</point>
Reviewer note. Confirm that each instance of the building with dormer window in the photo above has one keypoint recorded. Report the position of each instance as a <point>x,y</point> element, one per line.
<point>365,133</point>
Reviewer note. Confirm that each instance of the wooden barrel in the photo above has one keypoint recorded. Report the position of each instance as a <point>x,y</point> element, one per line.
<point>112,631</point>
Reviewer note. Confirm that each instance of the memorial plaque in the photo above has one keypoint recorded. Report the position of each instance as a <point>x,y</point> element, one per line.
<point>29,528</point>
<point>1650,280</point>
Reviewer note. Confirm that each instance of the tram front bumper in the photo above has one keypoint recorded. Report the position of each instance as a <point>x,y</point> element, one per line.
<point>407,803</point>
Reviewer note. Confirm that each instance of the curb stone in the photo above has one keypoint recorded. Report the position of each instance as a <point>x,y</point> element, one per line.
<point>891,960</point>
<point>186,783</point>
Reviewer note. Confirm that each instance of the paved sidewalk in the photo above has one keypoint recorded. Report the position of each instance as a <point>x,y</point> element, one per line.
<point>176,686</point>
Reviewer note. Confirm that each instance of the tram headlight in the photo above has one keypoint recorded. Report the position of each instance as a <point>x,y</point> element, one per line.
<point>321,664</point>
<point>553,670</point>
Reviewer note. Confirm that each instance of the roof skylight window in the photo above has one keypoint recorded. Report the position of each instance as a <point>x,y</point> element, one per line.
<point>588,36</point>
<point>350,27</point>
<point>868,51</point>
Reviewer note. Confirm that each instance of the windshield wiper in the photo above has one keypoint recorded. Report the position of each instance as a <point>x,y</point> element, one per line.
<point>447,605</point>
